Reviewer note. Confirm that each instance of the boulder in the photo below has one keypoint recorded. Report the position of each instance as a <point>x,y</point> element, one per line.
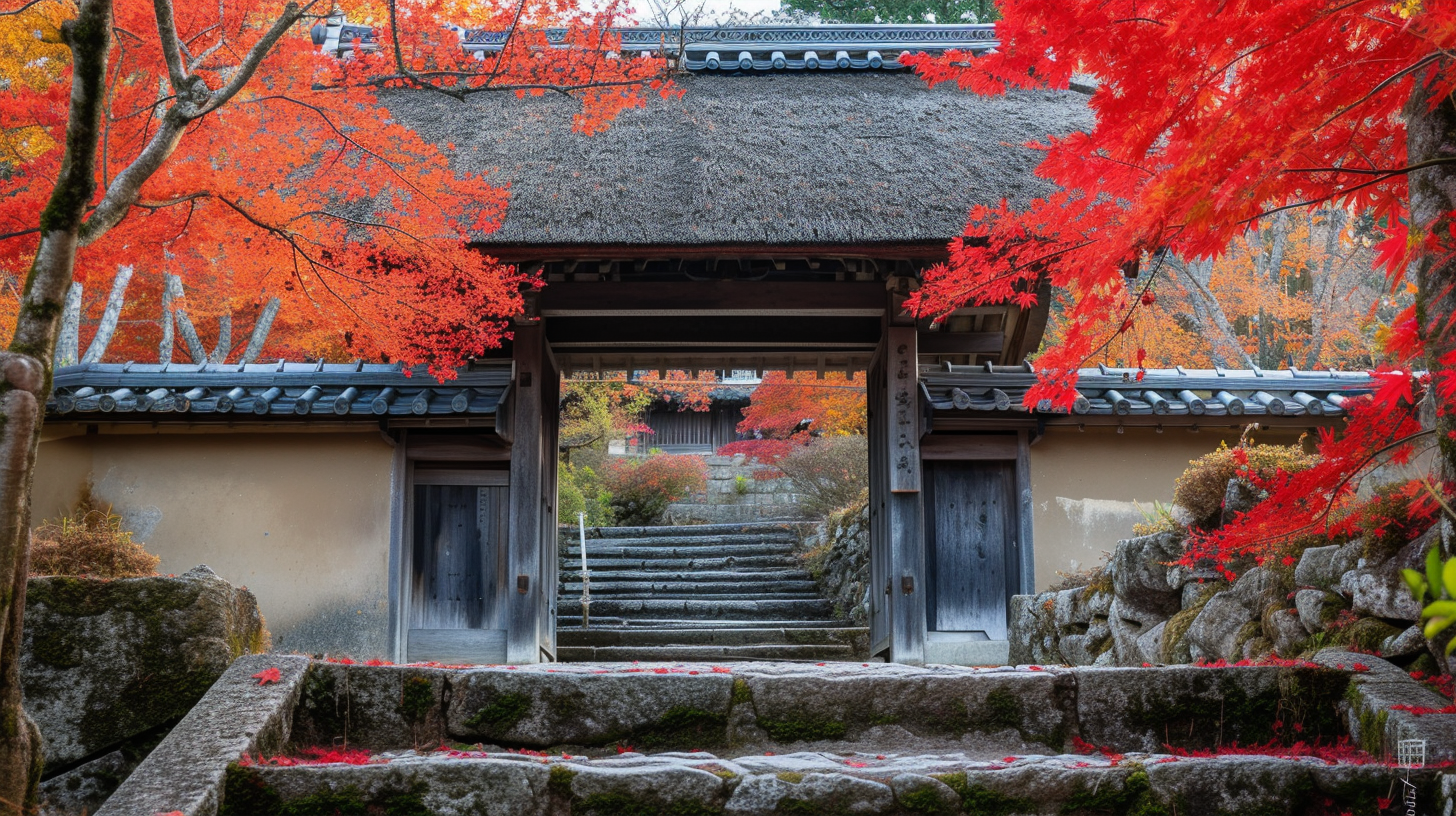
<point>1410,642</point>
<point>106,662</point>
<point>1128,627</point>
<point>1378,590</point>
<point>1285,631</point>
<point>1231,618</point>
<point>1317,607</point>
<point>1032,632</point>
<point>1144,577</point>
<point>81,790</point>
<point>1239,497</point>
<point>1150,644</point>
<point>1322,567</point>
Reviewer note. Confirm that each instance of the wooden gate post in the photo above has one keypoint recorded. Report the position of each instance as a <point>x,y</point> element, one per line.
<point>896,538</point>
<point>524,573</point>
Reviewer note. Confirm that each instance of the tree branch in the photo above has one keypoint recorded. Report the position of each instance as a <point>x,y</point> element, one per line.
<point>171,46</point>
<point>292,13</point>
<point>184,323</point>
<point>68,344</point>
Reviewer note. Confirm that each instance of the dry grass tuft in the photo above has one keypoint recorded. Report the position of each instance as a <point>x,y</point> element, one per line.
<point>89,541</point>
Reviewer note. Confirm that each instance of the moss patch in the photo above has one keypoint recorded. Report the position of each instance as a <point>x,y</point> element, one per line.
<point>416,699</point>
<point>924,800</point>
<point>502,713</point>
<point>741,692</point>
<point>1002,710</point>
<point>981,800</point>
<point>1134,796</point>
<point>685,726</point>
<point>806,730</point>
<point>559,782</point>
<point>1217,709</point>
<point>245,793</point>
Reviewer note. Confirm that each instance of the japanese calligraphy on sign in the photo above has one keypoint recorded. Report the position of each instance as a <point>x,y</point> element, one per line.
<point>902,390</point>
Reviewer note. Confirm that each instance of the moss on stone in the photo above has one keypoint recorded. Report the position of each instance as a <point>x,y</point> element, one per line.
<point>245,793</point>
<point>502,713</point>
<point>805,730</point>
<point>559,781</point>
<point>681,725</point>
<point>1133,796</point>
<point>981,800</point>
<point>1002,710</point>
<point>1368,634</point>
<point>416,699</point>
<point>1175,633</point>
<point>923,800</point>
<point>741,692</point>
<point>791,777</point>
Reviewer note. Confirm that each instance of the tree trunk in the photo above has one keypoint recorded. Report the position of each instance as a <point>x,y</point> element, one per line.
<point>224,345</point>
<point>110,317</point>
<point>261,327</point>
<point>68,346</point>
<point>164,351</point>
<point>1325,289</point>
<point>25,380</point>
<point>1430,135</point>
<point>184,323</point>
<point>1223,343</point>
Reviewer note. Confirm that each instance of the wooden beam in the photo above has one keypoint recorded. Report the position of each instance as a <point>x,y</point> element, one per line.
<point>900,537</point>
<point>633,298</point>
<point>969,447</point>
<point>743,332</point>
<point>941,342</point>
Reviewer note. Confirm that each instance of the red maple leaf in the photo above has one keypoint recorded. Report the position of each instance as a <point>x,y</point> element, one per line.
<point>267,676</point>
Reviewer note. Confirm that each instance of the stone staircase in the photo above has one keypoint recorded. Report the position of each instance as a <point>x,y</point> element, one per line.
<point>782,739</point>
<point>703,592</point>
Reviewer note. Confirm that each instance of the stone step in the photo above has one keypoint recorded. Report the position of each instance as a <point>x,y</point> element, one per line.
<point>709,549</point>
<point>888,784</point>
<point>570,623</point>
<point>704,562</point>
<point>642,636</point>
<point>762,528</point>
<point>689,608</point>
<point>595,545</point>
<point>656,589</point>
<point>696,576</point>
<point>757,651</point>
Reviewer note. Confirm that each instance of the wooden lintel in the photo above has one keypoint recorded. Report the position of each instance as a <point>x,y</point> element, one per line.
<point>729,298</point>
<point>960,342</point>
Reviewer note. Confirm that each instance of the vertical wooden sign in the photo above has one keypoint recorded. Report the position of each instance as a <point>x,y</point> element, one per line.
<point>902,374</point>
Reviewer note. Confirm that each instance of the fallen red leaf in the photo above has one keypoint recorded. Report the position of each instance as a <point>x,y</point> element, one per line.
<point>267,676</point>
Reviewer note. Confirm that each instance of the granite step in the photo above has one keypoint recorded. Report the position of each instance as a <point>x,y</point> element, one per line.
<point>693,609</point>
<point>696,576</point>
<point>756,651</point>
<point>569,623</point>
<point>669,548</point>
<point>689,588</point>
<point>599,635</point>
<point>680,530</point>
<point>696,562</point>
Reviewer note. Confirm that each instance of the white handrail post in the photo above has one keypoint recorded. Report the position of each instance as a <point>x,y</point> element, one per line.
<point>585,576</point>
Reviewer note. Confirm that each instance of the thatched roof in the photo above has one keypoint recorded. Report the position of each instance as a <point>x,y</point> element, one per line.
<point>786,159</point>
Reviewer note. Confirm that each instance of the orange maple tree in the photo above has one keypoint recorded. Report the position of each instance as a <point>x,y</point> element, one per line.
<point>215,142</point>
<point>786,412</point>
<point>1211,117</point>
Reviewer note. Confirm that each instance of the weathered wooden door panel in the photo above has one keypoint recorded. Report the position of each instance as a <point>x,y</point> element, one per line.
<point>971,514</point>
<point>456,582</point>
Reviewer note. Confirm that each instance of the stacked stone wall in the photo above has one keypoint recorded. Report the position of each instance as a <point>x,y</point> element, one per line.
<point>736,494</point>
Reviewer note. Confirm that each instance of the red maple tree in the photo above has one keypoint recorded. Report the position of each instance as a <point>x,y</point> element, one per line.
<point>214,141</point>
<point>1211,116</point>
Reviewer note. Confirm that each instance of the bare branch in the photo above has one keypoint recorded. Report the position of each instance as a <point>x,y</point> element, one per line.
<point>20,10</point>
<point>164,351</point>
<point>243,74</point>
<point>224,345</point>
<point>109,318</point>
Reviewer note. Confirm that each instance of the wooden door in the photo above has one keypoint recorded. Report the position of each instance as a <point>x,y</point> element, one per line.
<point>457,567</point>
<point>971,520</point>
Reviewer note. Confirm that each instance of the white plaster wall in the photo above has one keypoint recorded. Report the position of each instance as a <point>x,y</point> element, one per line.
<point>300,518</point>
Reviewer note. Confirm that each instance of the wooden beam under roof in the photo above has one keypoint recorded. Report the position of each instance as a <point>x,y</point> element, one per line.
<point>703,298</point>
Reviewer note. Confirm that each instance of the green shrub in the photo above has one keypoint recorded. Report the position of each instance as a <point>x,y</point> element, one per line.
<point>641,489</point>
<point>89,541</point>
<point>829,473</point>
<point>1201,488</point>
<point>580,490</point>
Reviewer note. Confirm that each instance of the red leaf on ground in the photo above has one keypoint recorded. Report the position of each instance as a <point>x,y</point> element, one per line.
<point>267,676</point>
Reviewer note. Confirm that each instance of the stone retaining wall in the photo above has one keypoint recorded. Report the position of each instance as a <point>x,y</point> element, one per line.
<point>839,559</point>
<point>735,496</point>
